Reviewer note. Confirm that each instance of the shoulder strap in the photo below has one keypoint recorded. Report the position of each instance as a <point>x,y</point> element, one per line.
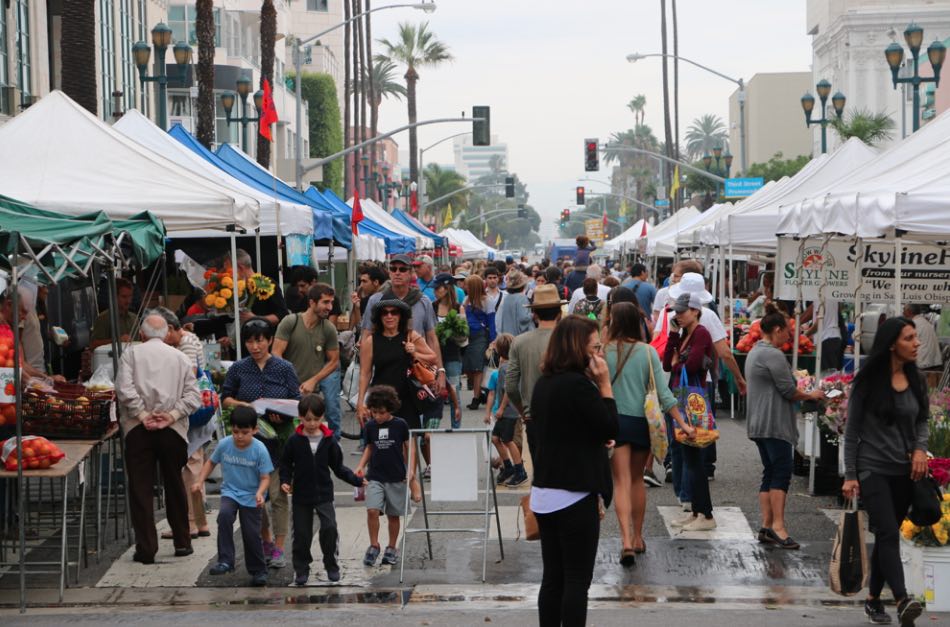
<point>498,302</point>
<point>621,362</point>
<point>296,320</point>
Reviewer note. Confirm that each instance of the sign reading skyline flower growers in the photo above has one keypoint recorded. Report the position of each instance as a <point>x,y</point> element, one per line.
<point>925,271</point>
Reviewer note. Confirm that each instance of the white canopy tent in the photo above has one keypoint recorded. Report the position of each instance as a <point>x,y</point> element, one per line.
<point>472,247</point>
<point>382,217</point>
<point>294,218</point>
<point>628,238</point>
<point>667,231</point>
<point>905,188</point>
<point>58,156</point>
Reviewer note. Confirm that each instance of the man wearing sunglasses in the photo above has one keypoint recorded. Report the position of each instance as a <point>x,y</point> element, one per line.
<point>403,286</point>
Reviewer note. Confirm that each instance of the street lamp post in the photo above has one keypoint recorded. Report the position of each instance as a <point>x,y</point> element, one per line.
<point>636,56</point>
<point>386,185</point>
<point>721,159</point>
<point>823,88</point>
<point>227,101</point>
<point>428,7</point>
<point>161,39</point>
<point>936,52</point>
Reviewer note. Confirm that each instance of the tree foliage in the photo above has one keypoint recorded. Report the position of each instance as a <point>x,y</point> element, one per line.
<point>326,136</point>
<point>777,167</point>
<point>871,128</point>
<point>440,182</point>
<point>705,133</point>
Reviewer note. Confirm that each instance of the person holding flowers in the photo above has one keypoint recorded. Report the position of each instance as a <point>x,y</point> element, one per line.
<point>885,451</point>
<point>265,298</point>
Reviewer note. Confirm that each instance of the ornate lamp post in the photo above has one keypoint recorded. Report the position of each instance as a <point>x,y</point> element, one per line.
<point>721,159</point>
<point>936,52</point>
<point>243,86</point>
<point>823,88</point>
<point>385,185</point>
<point>141,52</point>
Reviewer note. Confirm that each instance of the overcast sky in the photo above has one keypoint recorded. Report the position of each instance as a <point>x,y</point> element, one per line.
<point>556,72</point>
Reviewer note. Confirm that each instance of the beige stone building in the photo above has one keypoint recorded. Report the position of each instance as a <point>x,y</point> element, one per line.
<point>774,118</point>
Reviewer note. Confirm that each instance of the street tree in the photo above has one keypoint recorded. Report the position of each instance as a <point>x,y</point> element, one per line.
<point>637,106</point>
<point>705,133</point>
<point>204,71</point>
<point>268,41</point>
<point>416,47</point>
<point>778,167</point>
<point>326,136</point>
<point>440,182</point>
<point>871,128</point>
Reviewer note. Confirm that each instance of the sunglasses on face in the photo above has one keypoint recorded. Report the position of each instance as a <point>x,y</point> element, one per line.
<point>255,325</point>
<point>390,312</point>
<point>399,269</point>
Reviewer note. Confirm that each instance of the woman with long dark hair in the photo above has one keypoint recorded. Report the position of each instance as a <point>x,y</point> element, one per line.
<point>481,331</point>
<point>445,301</point>
<point>634,366</point>
<point>771,422</point>
<point>885,451</point>
<point>575,418</point>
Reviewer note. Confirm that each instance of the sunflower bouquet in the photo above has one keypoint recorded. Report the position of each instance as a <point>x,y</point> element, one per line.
<point>259,287</point>
<point>219,290</point>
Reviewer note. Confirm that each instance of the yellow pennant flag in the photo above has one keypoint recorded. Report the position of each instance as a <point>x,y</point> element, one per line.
<point>448,217</point>
<point>485,230</point>
<point>498,240</point>
<point>623,207</point>
<point>675,187</point>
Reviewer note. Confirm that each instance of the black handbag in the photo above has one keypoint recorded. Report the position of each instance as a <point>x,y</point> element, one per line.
<point>925,506</point>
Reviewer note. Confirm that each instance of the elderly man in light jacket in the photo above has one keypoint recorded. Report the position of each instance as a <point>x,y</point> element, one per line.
<point>157,392</point>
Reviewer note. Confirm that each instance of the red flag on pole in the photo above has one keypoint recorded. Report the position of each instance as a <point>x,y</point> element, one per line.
<point>357,215</point>
<point>605,221</point>
<point>643,231</point>
<point>414,203</point>
<point>268,113</point>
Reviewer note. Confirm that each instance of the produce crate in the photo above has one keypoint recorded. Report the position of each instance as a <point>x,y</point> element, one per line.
<point>70,414</point>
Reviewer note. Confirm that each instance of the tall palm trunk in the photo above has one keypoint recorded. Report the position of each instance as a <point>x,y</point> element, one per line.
<point>204,30</point>
<point>411,78</point>
<point>368,87</point>
<point>369,188</point>
<point>268,41</point>
<point>676,93</point>
<point>78,41</point>
<point>347,171</point>
<point>357,123</point>
<point>666,94</point>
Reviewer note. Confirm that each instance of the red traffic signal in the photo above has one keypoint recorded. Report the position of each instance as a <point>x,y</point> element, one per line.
<point>591,159</point>
<point>580,195</point>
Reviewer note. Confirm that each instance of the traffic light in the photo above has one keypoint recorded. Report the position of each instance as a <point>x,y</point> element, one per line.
<point>481,128</point>
<point>580,195</point>
<point>565,217</point>
<point>509,187</point>
<point>522,212</point>
<point>591,160</point>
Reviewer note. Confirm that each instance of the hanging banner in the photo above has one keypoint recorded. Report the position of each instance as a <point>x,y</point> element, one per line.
<point>594,229</point>
<point>925,271</point>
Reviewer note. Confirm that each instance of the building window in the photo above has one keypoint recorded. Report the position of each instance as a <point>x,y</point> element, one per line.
<point>127,25</point>
<point>318,5</point>
<point>107,54</point>
<point>23,60</point>
<point>181,19</point>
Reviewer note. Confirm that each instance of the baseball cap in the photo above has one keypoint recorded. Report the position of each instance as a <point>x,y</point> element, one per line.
<point>421,259</point>
<point>401,259</point>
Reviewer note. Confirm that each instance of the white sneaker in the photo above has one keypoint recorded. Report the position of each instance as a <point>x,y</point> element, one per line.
<point>687,506</point>
<point>701,523</point>
<point>682,521</point>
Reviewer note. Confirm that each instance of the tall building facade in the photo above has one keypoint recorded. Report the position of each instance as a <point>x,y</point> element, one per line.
<point>474,162</point>
<point>309,17</point>
<point>773,117</point>
<point>848,42</point>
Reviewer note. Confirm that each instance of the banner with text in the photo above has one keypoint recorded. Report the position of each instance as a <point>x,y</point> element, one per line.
<point>925,271</point>
<point>594,229</point>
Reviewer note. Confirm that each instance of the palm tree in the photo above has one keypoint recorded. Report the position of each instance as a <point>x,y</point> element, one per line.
<point>871,128</point>
<point>268,41</point>
<point>668,131</point>
<point>204,31</point>
<point>382,85</point>
<point>79,70</point>
<point>416,47</point>
<point>705,133</point>
<point>637,105</point>
<point>440,182</point>
<point>348,181</point>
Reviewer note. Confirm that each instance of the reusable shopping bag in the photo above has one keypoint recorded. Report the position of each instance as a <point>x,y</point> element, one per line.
<point>848,572</point>
<point>695,407</point>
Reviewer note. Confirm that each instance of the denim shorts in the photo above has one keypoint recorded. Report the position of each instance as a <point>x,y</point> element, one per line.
<point>777,461</point>
<point>634,431</point>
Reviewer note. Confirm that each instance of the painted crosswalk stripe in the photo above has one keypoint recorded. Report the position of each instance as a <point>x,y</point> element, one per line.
<point>731,524</point>
<point>167,571</point>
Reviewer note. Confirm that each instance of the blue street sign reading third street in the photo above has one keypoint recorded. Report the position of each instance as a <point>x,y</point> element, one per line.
<point>661,203</point>
<point>740,188</point>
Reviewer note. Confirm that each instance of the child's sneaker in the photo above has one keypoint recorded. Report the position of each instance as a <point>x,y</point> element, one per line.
<point>504,475</point>
<point>268,551</point>
<point>390,556</point>
<point>277,559</point>
<point>301,578</point>
<point>371,554</point>
<point>517,479</point>
<point>221,569</point>
<point>333,575</point>
<point>259,580</point>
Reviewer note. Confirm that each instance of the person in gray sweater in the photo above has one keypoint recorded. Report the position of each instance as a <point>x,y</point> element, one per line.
<point>885,451</point>
<point>513,315</point>
<point>770,423</point>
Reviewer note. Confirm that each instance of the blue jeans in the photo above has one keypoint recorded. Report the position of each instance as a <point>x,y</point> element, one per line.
<point>330,387</point>
<point>453,377</point>
<point>682,487</point>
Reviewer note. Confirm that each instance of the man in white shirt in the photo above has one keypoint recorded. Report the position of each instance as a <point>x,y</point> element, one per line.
<point>828,335</point>
<point>929,355</point>
<point>594,271</point>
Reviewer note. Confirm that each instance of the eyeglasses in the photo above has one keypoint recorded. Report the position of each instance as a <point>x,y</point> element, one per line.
<point>253,325</point>
<point>390,312</point>
<point>399,269</point>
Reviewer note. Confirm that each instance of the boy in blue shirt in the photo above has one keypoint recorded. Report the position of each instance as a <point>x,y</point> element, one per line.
<point>503,433</point>
<point>245,470</point>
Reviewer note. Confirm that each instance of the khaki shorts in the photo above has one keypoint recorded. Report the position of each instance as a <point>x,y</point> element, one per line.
<point>389,498</point>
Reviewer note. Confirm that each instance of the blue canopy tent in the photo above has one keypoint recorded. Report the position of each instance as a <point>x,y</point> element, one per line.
<point>415,225</point>
<point>396,243</point>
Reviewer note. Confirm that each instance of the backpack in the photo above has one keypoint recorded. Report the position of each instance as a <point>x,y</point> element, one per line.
<point>589,308</point>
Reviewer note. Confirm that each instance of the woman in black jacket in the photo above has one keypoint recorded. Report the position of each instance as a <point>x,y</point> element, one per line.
<point>575,420</point>
<point>885,451</point>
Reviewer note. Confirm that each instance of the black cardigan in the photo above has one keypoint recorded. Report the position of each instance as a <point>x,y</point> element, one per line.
<point>572,423</point>
<point>309,472</point>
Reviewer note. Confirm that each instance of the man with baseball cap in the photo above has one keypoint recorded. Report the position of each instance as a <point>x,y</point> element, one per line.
<point>425,277</point>
<point>524,359</point>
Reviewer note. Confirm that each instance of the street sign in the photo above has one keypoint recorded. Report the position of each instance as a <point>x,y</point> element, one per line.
<point>661,204</point>
<point>594,229</point>
<point>742,187</point>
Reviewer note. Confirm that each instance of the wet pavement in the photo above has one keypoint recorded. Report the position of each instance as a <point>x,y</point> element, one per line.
<point>726,570</point>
